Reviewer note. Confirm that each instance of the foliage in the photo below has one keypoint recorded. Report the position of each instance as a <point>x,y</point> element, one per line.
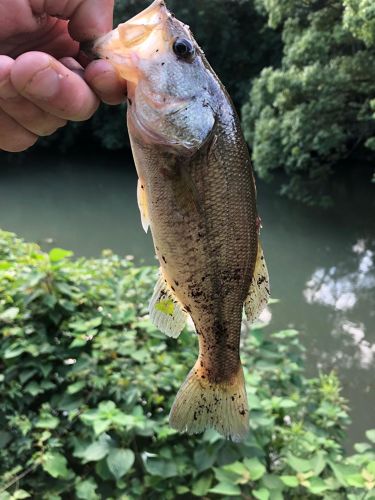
<point>359,18</point>
<point>316,110</point>
<point>87,382</point>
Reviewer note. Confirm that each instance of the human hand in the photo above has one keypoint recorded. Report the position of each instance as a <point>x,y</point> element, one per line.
<point>42,83</point>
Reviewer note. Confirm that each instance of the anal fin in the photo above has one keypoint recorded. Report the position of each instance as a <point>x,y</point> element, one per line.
<point>259,291</point>
<point>166,312</point>
<point>142,203</point>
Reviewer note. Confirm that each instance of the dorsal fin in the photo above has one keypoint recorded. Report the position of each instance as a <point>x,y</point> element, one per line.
<point>259,291</point>
<point>166,311</point>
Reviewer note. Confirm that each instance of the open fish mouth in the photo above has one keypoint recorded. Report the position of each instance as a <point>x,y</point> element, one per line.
<point>134,41</point>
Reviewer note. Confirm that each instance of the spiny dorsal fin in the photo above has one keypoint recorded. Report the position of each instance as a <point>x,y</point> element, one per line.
<point>259,291</point>
<point>166,312</point>
<point>142,203</point>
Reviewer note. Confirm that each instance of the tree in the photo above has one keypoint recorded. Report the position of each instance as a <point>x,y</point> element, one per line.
<point>316,110</point>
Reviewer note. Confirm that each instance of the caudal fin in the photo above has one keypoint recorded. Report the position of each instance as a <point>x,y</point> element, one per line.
<point>200,405</point>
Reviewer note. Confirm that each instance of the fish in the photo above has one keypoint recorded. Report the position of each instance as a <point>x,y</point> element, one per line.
<point>197,194</point>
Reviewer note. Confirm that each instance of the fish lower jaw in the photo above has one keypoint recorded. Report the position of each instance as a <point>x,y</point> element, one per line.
<point>149,136</point>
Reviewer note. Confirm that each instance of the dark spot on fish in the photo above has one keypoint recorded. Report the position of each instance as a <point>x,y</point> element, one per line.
<point>202,376</point>
<point>173,289</point>
<point>232,398</point>
<point>243,412</point>
<point>164,258</point>
<point>189,311</point>
<point>142,187</point>
<point>157,50</point>
<point>130,103</point>
<point>261,280</point>
<point>162,63</point>
<point>195,415</point>
<point>176,282</point>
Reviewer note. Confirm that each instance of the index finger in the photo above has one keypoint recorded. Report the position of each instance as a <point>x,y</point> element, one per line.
<point>88,18</point>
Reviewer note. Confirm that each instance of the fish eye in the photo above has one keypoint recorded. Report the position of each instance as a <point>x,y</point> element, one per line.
<point>183,49</point>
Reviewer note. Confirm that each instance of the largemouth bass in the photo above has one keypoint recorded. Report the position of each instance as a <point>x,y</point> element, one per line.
<point>196,192</point>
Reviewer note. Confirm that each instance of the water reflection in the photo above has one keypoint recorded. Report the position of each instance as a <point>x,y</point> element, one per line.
<point>332,288</point>
<point>341,291</point>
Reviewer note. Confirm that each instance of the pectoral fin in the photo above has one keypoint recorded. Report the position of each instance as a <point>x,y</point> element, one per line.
<point>166,311</point>
<point>259,291</point>
<point>142,203</point>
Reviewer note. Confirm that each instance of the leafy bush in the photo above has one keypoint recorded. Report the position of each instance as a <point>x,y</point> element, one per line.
<point>87,382</point>
<point>316,111</point>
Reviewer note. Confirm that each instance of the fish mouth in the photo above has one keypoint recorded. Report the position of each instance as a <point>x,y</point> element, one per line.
<point>133,41</point>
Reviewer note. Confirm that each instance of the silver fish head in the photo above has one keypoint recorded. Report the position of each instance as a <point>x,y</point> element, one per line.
<point>172,90</point>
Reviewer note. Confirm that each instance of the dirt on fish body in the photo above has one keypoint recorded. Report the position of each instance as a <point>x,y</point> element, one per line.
<point>196,192</point>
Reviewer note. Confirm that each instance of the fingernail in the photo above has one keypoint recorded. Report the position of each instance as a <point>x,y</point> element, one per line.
<point>44,84</point>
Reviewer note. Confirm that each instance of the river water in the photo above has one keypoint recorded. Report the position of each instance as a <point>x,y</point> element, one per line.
<point>321,263</point>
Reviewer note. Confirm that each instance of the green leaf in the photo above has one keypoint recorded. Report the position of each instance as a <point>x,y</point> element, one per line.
<point>290,481</point>
<point>120,461</point>
<point>76,387</point>
<point>298,464</point>
<point>255,467</point>
<point>371,467</point>
<point>47,422</point>
<point>9,314</point>
<point>202,485</point>
<point>20,494</point>
<point>362,447</point>
<point>181,490</point>
<point>261,494</point>
<point>342,471</point>
<point>57,254</point>
<point>272,482</point>
<point>162,468</point>
<point>56,465</point>
<point>370,434</point>
<point>239,470</point>
<point>101,426</point>
<point>318,463</point>
<point>317,485</point>
<point>205,457</point>
<point>287,403</point>
<point>355,480</point>
<point>96,450</point>
<point>226,489</point>
<point>86,489</point>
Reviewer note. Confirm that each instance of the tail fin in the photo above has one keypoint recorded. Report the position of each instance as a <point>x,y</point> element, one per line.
<point>200,404</point>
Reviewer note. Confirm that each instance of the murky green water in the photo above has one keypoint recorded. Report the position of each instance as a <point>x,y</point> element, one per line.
<point>321,263</point>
